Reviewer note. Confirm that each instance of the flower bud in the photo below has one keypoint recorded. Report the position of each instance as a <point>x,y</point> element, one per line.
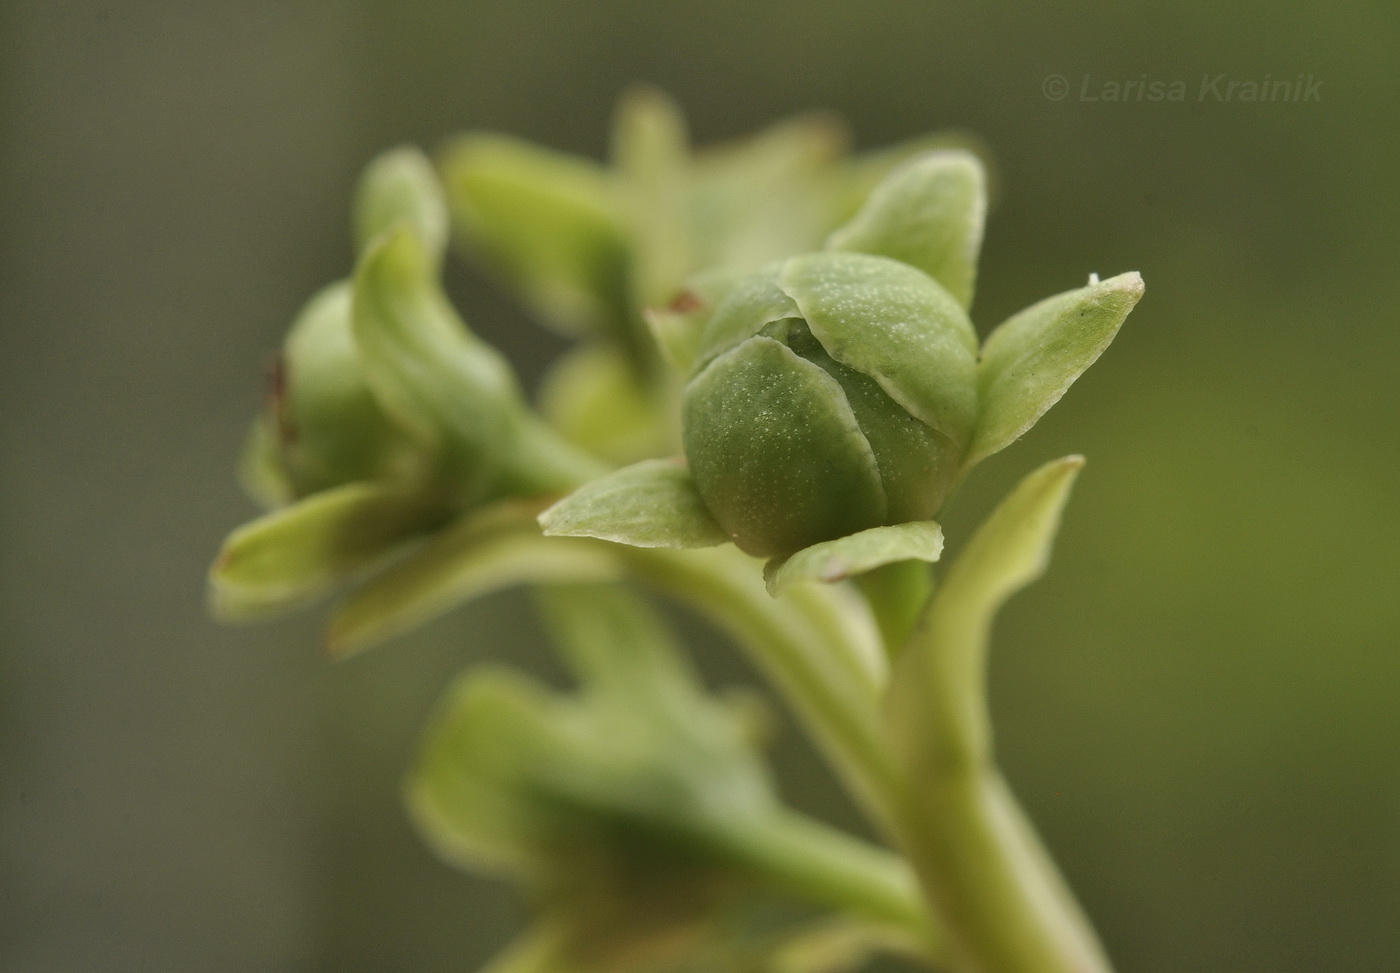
<point>834,392</point>
<point>329,430</point>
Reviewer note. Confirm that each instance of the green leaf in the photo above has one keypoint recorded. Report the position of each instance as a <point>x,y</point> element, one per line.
<point>293,555</point>
<point>978,857</point>
<point>938,691</point>
<point>770,196</point>
<point>776,451</point>
<point>928,213</point>
<point>854,554</point>
<point>549,224</point>
<point>1031,360</point>
<point>481,552</point>
<point>651,153</point>
<point>452,390</point>
<point>400,186</point>
<point>650,504</point>
<point>897,325</point>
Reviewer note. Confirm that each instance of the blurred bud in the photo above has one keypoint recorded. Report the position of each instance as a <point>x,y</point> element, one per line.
<point>388,420</point>
<point>623,810</point>
<point>635,812</point>
<point>835,392</point>
<point>329,429</point>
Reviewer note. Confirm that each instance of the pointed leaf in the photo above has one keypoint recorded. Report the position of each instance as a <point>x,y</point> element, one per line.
<point>295,554</point>
<point>770,196</point>
<point>481,552</point>
<point>927,213</point>
<point>549,224</point>
<point>650,504</point>
<point>845,557</point>
<point>452,390</point>
<point>651,154</point>
<point>938,694</point>
<point>400,186</point>
<point>1031,360</point>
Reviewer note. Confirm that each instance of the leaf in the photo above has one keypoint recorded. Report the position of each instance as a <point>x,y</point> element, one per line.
<point>854,554</point>
<point>481,552</point>
<point>650,504</point>
<point>927,213</point>
<point>293,555</point>
<point>452,390</point>
<point>895,324</point>
<point>1032,359</point>
<point>549,223</point>
<point>400,186</point>
<point>769,196</point>
<point>938,693</point>
<point>651,153</point>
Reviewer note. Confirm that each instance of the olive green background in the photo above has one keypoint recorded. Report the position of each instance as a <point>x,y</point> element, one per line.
<point>1198,704</point>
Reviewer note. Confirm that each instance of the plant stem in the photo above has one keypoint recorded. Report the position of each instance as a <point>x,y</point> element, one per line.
<point>812,662</point>
<point>822,864</point>
<point>989,878</point>
<point>897,594</point>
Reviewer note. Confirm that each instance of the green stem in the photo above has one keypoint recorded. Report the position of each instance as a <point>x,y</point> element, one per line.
<point>986,874</point>
<point>803,647</point>
<point>897,594</point>
<point>989,878</point>
<point>820,864</point>
<point>543,462</point>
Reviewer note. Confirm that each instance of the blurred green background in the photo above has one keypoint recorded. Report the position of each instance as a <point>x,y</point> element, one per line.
<point>1198,704</point>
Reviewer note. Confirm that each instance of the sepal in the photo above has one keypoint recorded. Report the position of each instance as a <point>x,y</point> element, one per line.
<point>649,504</point>
<point>1032,359</point>
<point>855,554</point>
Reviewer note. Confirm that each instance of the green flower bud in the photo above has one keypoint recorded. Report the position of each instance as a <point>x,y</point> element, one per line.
<point>328,428</point>
<point>835,392</point>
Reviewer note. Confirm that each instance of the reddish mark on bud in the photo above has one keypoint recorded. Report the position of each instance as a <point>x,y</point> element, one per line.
<point>277,379</point>
<point>685,302</point>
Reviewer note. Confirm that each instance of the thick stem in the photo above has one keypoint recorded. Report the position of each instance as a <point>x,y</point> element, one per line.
<point>1003,902</point>
<point>989,878</point>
